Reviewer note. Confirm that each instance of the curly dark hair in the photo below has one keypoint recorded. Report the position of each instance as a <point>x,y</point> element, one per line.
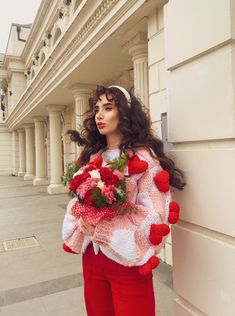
<point>134,125</point>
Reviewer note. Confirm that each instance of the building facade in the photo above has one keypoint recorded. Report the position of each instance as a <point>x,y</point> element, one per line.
<point>177,56</point>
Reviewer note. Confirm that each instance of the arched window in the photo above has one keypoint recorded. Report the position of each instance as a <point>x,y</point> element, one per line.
<point>57,35</point>
<point>76,4</point>
<point>42,58</point>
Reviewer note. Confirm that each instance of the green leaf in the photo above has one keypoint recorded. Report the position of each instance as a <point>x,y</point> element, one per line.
<point>71,168</point>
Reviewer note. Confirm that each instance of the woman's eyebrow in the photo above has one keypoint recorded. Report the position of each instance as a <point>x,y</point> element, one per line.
<point>105,104</point>
<point>108,103</point>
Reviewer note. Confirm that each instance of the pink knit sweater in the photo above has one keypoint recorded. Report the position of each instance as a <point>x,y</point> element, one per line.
<point>125,238</point>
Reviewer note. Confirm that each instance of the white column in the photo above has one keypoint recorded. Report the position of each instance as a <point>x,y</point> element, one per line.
<point>30,155</point>
<point>139,54</point>
<point>22,160</point>
<point>56,150</point>
<point>15,153</point>
<point>81,93</point>
<point>40,157</point>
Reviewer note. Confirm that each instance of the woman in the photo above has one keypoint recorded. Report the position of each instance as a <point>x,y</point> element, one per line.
<point>114,249</point>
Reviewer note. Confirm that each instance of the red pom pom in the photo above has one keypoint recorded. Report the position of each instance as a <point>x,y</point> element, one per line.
<point>157,231</point>
<point>163,187</point>
<point>154,262</point>
<point>161,180</point>
<point>174,210</point>
<point>173,217</point>
<point>67,249</point>
<point>162,176</point>
<point>155,239</point>
<point>151,264</point>
<point>135,165</point>
<point>163,229</point>
<point>145,268</point>
<point>174,207</point>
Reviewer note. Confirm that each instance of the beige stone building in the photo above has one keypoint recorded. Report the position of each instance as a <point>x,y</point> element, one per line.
<point>178,57</point>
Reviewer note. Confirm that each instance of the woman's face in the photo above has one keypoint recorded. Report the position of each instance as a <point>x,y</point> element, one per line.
<point>106,116</point>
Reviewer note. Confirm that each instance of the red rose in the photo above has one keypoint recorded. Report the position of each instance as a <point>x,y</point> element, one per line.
<point>107,176</point>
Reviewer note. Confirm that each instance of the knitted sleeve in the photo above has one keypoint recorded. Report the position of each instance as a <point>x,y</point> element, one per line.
<point>125,238</point>
<point>72,236</point>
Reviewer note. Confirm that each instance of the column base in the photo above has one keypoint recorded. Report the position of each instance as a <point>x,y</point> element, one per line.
<point>21,174</point>
<point>29,177</point>
<point>40,181</point>
<point>57,189</point>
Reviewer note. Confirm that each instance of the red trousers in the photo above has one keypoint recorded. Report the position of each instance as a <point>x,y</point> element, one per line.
<point>111,289</point>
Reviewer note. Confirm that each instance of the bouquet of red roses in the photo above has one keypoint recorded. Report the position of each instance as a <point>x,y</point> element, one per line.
<point>101,191</point>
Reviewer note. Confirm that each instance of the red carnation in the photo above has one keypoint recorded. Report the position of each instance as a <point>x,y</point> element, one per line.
<point>84,176</point>
<point>74,184</point>
<point>107,176</point>
<point>89,167</point>
<point>77,180</point>
<point>88,198</point>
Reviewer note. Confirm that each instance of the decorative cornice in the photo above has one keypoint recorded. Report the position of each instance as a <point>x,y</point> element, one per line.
<point>40,17</point>
<point>57,63</point>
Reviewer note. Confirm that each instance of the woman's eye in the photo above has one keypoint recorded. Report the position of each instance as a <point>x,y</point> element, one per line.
<point>108,108</point>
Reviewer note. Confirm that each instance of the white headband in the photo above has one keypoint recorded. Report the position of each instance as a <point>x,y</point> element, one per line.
<point>125,92</point>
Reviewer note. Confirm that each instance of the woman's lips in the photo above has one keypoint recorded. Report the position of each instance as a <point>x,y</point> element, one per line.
<point>100,125</point>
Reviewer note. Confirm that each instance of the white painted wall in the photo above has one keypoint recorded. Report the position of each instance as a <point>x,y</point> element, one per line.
<point>200,59</point>
<point>158,89</point>
<point>15,47</point>
<point>6,151</point>
<point>18,85</point>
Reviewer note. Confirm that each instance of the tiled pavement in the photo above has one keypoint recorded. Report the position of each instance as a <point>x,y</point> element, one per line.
<point>44,280</point>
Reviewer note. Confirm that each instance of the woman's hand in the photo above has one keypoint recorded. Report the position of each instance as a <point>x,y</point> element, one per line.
<point>87,229</point>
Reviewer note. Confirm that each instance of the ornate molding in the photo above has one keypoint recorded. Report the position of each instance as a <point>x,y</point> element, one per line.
<point>57,63</point>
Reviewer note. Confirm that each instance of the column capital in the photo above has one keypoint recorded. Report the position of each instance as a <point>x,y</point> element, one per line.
<point>140,39</point>
<point>55,108</point>
<point>138,51</point>
<point>79,89</point>
<point>28,125</point>
<point>39,118</point>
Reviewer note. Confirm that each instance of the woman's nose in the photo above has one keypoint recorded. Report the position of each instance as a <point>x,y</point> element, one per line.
<point>100,114</point>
